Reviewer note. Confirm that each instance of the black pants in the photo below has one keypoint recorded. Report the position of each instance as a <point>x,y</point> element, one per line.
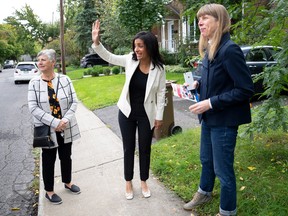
<point>137,120</point>
<point>48,163</point>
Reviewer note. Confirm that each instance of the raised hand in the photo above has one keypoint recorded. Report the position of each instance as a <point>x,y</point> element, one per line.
<point>96,32</point>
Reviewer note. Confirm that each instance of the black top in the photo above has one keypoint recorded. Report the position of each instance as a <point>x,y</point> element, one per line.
<point>137,87</point>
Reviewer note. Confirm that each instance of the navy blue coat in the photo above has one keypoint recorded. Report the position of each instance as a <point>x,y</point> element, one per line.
<point>226,80</point>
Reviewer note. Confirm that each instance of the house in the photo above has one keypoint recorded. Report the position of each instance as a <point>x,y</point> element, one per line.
<point>175,28</point>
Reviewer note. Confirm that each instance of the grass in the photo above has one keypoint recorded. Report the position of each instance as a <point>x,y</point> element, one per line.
<point>261,165</point>
<point>261,168</point>
<point>99,92</point>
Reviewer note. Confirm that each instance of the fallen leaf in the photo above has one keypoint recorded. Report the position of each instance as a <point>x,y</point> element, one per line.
<point>242,188</point>
<point>251,168</point>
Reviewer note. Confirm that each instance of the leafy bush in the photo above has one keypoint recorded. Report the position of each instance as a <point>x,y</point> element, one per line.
<point>176,69</point>
<point>98,69</point>
<point>95,74</point>
<point>169,58</point>
<point>88,72</point>
<point>116,70</point>
<point>122,50</point>
<point>106,71</point>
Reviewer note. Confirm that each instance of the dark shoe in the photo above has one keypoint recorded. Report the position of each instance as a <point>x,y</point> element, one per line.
<point>198,199</point>
<point>55,199</point>
<point>74,189</point>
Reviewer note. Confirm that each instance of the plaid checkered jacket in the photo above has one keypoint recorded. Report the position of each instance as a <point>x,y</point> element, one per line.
<point>39,106</point>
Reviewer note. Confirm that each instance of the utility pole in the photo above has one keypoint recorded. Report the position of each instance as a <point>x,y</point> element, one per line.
<point>62,38</point>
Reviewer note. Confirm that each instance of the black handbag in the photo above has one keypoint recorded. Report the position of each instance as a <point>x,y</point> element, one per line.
<point>42,134</point>
<point>42,137</point>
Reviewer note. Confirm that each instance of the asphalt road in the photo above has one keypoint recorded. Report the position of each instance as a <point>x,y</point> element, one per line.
<point>16,159</point>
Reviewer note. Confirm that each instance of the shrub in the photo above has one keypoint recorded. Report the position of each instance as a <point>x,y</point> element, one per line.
<point>176,69</point>
<point>88,71</point>
<point>98,68</point>
<point>115,70</point>
<point>122,50</point>
<point>169,58</point>
<point>106,71</point>
<point>95,73</point>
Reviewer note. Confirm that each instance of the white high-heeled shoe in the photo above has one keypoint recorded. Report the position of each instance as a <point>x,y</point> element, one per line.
<point>146,194</point>
<point>129,196</point>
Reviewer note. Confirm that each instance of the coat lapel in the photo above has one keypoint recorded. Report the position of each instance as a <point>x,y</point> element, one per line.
<point>151,79</point>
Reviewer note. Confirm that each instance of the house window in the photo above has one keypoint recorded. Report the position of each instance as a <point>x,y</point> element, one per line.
<point>171,45</point>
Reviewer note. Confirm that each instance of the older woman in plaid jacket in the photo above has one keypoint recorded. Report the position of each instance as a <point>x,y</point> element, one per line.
<point>52,101</point>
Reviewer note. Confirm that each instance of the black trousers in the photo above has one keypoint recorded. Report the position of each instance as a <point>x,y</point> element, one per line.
<point>137,120</point>
<point>48,163</point>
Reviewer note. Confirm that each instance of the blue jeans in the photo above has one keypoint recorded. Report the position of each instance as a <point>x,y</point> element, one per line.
<point>217,159</point>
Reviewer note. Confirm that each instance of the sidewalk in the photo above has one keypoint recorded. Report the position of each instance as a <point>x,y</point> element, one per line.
<point>98,170</point>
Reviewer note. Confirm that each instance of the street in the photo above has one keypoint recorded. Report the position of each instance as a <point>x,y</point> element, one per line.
<point>16,158</point>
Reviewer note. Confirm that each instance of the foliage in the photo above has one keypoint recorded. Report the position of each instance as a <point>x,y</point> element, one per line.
<point>98,68</point>
<point>83,23</point>
<point>113,35</point>
<point>140,15</point>
<point>71,9</point>
<point>115,70</point>
<point>30,33</point>
<point>169,58</point>
<point>94,73</point>
<point>123,50</point>
<point>9,49</point>
<point>271,114</point>
<point>106,71</point>
<point>30,28</point>
<point>176,69</point>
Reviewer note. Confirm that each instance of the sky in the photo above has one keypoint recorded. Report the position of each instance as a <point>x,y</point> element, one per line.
<point>45,9</point>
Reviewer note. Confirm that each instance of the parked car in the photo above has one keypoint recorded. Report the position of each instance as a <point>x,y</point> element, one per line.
<point>1,67</point>
<point>90,60</point>
<point>257,57</point>
<point>25,71</point>
<point>9,64</point>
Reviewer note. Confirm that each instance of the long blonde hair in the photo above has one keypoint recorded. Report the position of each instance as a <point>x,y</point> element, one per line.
<point>220,13</point>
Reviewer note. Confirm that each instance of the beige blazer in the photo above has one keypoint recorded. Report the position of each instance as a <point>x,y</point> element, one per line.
<point>154,101</point>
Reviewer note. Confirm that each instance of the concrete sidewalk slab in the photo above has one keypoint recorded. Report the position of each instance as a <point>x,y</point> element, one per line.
<point>98,170</point>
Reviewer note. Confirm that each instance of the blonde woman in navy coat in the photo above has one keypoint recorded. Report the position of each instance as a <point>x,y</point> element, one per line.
<point>141,103</point>
<point>225,88</point>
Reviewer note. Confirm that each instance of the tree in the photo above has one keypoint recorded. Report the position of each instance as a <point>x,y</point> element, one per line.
<point>84,19</point>
<point>9,48</point>
<point>30,31</point>
<point>139,15</point>
<point>113,35</point>
<point>272,114</point>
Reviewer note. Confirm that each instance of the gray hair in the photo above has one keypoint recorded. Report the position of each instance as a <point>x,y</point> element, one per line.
<point>50,53</point>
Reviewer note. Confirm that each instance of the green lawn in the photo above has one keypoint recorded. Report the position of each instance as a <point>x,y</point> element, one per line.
<point>261,165</point>
<point>261,168</point>
<point>99,92</point>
